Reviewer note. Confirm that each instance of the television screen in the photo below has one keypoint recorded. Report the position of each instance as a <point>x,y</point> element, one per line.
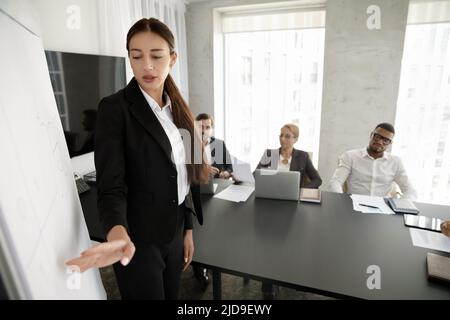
<point>79,82</point>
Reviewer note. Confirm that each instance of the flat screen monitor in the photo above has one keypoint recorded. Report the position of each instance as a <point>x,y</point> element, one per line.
<point>79,82</point>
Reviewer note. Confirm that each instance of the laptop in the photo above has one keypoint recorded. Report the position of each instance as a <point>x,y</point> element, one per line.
<point>209,188</point>
<point>272,184</point>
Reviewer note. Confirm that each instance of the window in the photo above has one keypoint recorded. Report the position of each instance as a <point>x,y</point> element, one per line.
<point>246,71</point>
<point>57,78</point>
<point>272,76</point>
<point>422,119</point>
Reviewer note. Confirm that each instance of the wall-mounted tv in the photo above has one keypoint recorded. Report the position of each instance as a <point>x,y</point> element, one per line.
<point>79,82</point>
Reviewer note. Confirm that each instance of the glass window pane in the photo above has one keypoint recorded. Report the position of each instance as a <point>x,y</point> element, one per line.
<point>272,78</point>
<point>422,120</point>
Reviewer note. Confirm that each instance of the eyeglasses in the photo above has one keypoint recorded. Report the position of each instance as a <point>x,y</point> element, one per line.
<point>379,137</point>
<point>287,136</point>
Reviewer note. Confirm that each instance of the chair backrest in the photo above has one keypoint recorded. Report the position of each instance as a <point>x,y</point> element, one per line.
<point>305,177</point>
<point>345,187</point>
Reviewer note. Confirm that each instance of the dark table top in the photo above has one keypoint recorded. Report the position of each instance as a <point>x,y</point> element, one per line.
<point>325,248</point>
<point>88,201</point>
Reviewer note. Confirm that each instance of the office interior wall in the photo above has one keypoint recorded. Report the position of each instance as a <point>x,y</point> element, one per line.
<point>60,29</point>
<point>361,69</point>
<point>361,75</point>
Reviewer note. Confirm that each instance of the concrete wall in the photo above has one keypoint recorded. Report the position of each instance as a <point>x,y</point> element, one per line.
<point>361,75</point>
<point>361,70</point>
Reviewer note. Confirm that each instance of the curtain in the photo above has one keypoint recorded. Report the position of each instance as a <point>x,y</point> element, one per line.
<point>423,108</point>
<point>292,19</point>
<point>273,16</point>
<point>421,11</point>
<point>117,16</point>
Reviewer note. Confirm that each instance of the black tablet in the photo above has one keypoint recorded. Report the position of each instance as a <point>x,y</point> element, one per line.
<point>422,222</point>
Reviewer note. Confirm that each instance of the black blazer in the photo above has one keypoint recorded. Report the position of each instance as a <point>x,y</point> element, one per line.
<point>136,178</point>
<point>300,162</point>
<point>221,156</point>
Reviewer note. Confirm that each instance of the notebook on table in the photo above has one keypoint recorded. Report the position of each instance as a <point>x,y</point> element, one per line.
<point>438,267</point>
<point>310,195</point>
<point>402,205</point>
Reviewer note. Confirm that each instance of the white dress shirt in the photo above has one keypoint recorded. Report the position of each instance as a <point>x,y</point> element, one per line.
<point>368,176</point>
<point>282,166</point>
<point>208,152</point>
<point>165,118</point>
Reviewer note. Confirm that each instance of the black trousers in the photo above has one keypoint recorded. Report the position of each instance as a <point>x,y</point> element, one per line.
<point>154,272</point>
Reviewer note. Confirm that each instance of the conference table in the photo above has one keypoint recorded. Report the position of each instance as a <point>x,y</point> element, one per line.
<point>325,248</point>
<point>88,202</point>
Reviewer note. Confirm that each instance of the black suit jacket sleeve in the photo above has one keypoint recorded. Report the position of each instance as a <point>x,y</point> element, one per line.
<point>193,206</point>
<point>227,165</point>
<point>221,156</point>
<point>110,166</point>
<point>313,175</point>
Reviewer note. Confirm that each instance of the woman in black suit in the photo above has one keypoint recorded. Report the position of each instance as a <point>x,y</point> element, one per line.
<point>287,158</point>
<point>145,171</point>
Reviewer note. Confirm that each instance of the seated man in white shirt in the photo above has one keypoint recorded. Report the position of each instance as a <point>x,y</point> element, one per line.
<point>371,170</point>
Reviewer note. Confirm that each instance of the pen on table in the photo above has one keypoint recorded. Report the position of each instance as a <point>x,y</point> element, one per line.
<point>369,206</point>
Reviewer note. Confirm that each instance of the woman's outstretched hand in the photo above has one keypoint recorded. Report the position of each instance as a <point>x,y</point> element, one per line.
<point>119,247</point>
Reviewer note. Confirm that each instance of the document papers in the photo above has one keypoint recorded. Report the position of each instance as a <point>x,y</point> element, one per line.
<point>429,239</point>
<point>370,204</point>
<point>242,172</point>
<point>236,193</point>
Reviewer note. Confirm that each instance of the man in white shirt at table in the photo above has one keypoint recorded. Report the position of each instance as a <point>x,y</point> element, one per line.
<point>371,170</point>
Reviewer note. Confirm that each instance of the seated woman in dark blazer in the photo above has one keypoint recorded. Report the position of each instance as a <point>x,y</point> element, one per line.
<point>287,158</point>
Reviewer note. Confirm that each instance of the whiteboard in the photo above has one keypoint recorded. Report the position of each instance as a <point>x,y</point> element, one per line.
<point>41,220</point>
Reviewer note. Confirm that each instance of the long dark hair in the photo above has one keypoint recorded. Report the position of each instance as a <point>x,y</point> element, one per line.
<point>182,115</point>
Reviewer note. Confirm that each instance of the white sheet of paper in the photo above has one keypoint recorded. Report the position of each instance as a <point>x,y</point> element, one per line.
<point>429,239</point>
<point>378,202</point>
<point>245,191</point>
<point>243,172</point>
<point>235,193</point>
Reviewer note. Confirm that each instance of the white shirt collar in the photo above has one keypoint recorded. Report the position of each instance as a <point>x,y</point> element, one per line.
<point>364,153</point>
<point>153,104</point>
